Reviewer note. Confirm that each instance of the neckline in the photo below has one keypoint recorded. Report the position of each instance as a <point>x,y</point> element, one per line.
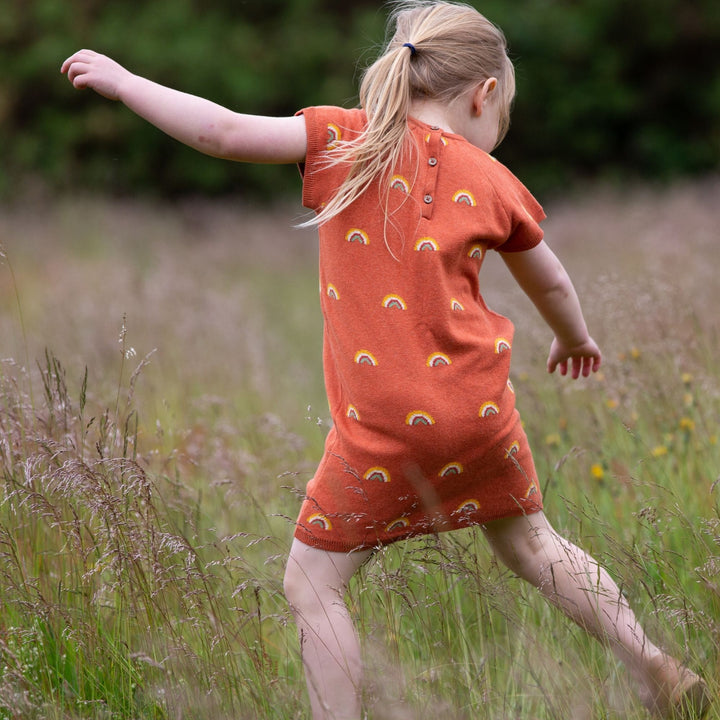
<point>412,120</point>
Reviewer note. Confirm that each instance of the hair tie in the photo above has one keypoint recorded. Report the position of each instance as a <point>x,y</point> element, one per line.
<point>413,51</point>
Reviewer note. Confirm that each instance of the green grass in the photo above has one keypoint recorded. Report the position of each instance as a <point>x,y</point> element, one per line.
<point>161,409</point>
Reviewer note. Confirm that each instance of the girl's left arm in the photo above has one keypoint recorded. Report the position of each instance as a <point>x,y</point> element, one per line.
<point>199,123</point>
<point>546,282</point>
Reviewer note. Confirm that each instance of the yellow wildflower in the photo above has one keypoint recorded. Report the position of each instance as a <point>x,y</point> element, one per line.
<point>659,451</point>
<point>597,471</point>
<point>687,424</point>
<point>686,378</point>
<point>634,353</point>
<point>611,403</point>
<point>552,439</point>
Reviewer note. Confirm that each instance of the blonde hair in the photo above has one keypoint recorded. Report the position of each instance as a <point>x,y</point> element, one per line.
<point>438,51</point>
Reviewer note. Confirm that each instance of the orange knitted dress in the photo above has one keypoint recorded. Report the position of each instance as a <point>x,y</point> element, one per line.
<point>425,434</point>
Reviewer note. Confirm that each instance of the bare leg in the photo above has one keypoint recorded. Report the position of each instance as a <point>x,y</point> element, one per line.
<point>573,581</point>
<point>315,585</point>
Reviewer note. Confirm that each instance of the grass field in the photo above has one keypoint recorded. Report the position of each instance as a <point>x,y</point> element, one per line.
<point>161,409</point>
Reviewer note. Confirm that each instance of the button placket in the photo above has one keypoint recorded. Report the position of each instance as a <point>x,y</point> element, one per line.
<point>430,179</point>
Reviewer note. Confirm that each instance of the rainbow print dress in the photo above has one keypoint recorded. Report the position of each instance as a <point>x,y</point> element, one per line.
<point>425,435</point>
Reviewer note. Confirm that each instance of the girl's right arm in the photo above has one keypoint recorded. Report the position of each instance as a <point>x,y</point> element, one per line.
<point>201,124</point>
<point>546,282</point>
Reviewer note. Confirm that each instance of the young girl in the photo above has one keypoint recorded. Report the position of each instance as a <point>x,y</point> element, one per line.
<point>425,434</point>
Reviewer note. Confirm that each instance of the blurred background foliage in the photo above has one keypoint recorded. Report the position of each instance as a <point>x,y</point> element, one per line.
<point>607,89</point>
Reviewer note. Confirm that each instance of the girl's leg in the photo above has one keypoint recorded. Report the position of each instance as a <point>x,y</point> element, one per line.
<point>572,580</point>
<point>315,585</point>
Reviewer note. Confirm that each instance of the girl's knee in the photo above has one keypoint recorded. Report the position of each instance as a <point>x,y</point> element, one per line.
<point>525,544</point>
<point>302,585</point>
<point>316,578</point>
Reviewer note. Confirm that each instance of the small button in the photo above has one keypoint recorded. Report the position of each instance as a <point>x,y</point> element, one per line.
<point>428,199</point>
<point>432,161</point>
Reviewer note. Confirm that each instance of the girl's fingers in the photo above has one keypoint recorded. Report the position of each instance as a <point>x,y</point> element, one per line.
<point>83,56</point>
<point>577,364</point>
<point>581,365</point>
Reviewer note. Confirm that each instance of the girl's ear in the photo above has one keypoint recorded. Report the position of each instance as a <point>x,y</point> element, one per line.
<point>482,93</point>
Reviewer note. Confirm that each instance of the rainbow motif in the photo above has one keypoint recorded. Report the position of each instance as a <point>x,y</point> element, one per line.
<point>510,386</point>
<point>531,490</point>
<point>456,304</point>
<point>320,521</point>
<point>453,468</point>
<point>419,417</point>
<point>468,506</point>
<point>488,408</point>
<point>476,252</point>
<point>438,359</point>
<point>352,413</point>
<point>355,235</point>
<point>398,182</point>
<point>464,197</point>
<point>333,136</point>
<point>398,524</point>
<point>363,357</point>
<point>377,474</point>
<point>332,292</point>
<point>501,345</point>
<point>394,302</point>
<point>514,449</point>
<point>442,140</point>
<point>426,243</point>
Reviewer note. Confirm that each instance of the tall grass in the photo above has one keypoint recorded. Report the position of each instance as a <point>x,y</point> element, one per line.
<point>161,409</point>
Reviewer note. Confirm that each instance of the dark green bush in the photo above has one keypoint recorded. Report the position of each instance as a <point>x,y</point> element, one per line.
<point>606,88</point>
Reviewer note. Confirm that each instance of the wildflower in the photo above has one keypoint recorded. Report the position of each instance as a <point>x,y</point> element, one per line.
<point>634,353</point>
<point>597,471</point>
<point>687,424</point>
<point>688,399</point>
<point>611,403</point>
<point>686,378</point>
<point>713,439</point>
<point>659,451</point>
<point>552,439</point>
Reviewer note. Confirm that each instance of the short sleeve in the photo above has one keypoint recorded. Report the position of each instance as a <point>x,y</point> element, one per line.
<point>325,126</point>
<point>524,212</point>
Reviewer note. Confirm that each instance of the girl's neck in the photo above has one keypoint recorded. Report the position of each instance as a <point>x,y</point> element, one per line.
<point>433,113</point>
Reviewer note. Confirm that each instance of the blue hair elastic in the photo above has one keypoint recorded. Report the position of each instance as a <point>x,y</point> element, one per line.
<point>413,51</point>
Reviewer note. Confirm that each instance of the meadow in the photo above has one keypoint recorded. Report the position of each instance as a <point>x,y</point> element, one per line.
<point>162,407</point>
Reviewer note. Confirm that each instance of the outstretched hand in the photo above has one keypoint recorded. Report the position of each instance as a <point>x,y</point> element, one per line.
<point>579,359</point>
<point>88,69</point>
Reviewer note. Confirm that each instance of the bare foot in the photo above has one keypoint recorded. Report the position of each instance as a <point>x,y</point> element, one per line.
<point>674,692</point>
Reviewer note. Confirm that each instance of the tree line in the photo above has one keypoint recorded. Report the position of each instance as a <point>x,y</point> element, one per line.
<point>609,89</point>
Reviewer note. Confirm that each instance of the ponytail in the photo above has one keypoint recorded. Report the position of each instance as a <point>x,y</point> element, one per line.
<point>438,51</point>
